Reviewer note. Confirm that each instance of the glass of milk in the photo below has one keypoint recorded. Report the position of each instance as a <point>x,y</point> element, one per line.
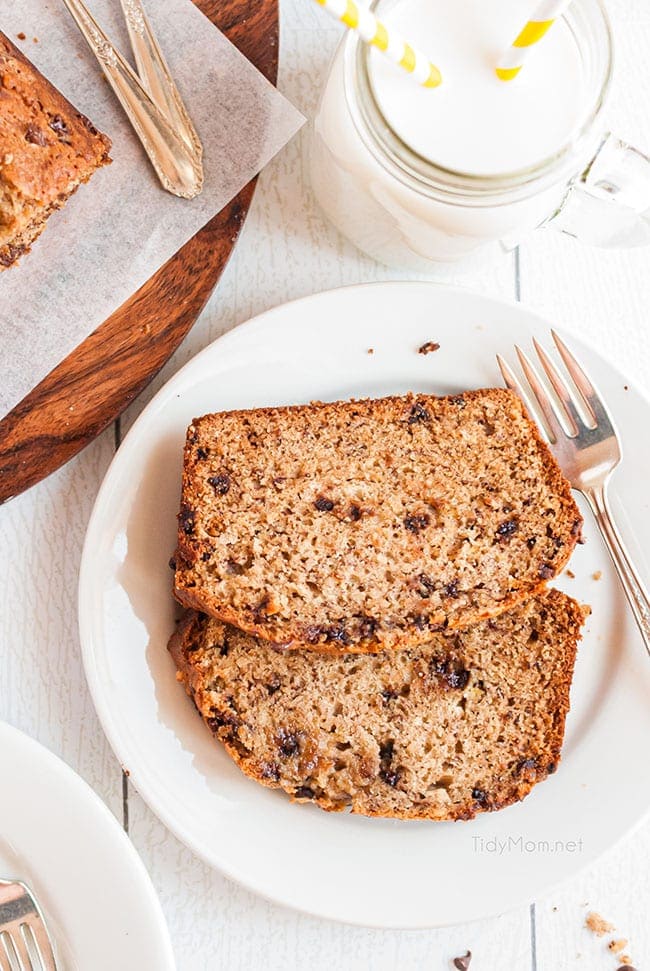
<point>422,178</point>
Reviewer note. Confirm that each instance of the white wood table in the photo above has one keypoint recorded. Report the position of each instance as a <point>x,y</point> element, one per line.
<point>286,251</point>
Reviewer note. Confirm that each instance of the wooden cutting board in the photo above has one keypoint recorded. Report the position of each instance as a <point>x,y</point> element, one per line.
<point>95,383</point>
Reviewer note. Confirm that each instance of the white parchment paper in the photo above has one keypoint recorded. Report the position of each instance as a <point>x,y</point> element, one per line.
<point>117,230</point>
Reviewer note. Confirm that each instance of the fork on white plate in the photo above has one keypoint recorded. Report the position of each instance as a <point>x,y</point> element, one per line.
<point>25,943</point>
<point>583,439</point>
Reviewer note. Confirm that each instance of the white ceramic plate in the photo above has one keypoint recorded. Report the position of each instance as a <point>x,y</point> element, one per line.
<point>57,836</point>
<point>375,872</point>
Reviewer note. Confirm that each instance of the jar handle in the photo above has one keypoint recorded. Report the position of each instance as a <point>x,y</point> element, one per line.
<point>609,203</point>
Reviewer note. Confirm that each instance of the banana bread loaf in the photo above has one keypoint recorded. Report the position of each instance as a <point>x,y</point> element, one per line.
<point>467,723</point>
<point>47,149</point>
<point>368,525</point>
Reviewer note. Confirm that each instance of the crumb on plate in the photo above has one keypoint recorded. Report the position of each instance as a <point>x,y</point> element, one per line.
<point>429,347</point>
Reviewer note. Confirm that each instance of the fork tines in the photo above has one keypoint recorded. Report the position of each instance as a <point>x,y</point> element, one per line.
<point>24,941</point>
<point>563,409</point>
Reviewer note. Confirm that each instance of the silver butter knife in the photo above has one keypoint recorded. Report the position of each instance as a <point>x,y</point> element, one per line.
<point>156,77</point>
<point>180,172</point>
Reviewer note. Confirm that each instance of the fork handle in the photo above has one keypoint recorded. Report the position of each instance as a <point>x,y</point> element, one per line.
<point>633,586</point>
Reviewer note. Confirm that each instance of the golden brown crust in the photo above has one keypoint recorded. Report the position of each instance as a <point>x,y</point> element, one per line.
<point>197,591</point>
<point>47,149</point>
<point>318,703</point>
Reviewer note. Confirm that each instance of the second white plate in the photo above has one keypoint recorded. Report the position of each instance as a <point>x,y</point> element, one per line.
<point>58,836</point>
<point>376,872</point>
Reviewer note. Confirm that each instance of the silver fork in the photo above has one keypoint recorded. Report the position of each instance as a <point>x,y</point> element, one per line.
<point>583,439</point>
<point>25,944</point>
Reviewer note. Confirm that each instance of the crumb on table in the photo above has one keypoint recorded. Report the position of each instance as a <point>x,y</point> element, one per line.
<point>462,963</point>
<point>21,35</point>
<point>429,347</point>
<point>570,574</point>
<point>617,946</point>
<point>371,350</point>
<point>597,575</point>
<point>597,924</point>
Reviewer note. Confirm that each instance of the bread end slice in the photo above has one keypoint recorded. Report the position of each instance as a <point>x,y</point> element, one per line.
<point>468,723</point>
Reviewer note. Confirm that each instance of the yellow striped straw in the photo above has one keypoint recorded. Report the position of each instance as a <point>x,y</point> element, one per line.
<point>544,16</point>
<point>389,43</point>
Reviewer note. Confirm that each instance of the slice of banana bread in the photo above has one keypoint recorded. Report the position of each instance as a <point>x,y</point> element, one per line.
<point>47,149</point>
<point>467,723</point>
<point>366,525</point>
